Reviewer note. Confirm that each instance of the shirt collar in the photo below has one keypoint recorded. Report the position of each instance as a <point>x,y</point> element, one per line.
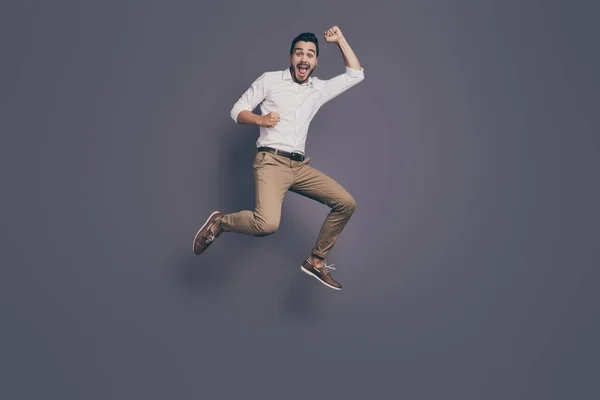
<point>287,75</point>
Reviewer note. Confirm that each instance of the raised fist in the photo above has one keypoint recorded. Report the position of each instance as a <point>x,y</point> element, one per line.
<point>269,120</point>
<point>333,35</point>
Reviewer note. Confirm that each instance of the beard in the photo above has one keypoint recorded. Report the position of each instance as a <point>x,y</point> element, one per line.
<point>298,78</point>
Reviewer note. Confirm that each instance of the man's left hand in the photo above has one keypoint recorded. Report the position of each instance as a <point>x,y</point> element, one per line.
<point>333,35</point>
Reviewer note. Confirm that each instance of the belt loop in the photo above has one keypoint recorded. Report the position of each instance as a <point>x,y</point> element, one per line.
<point>275,152</point>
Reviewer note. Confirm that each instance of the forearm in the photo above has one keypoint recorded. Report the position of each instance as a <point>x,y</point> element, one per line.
<point>350,58</point>
<point>248,118</point>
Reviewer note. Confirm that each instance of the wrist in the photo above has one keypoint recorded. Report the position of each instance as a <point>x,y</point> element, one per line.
<point>258,120</point>
<point>341,42</point>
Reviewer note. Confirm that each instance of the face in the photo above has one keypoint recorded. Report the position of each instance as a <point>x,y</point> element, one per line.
<point>303,60</point>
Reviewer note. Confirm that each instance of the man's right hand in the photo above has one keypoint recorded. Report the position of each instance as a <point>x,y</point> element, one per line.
<point>269,120</point>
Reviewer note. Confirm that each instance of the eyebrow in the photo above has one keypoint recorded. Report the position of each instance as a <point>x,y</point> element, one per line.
<point>300,48</point>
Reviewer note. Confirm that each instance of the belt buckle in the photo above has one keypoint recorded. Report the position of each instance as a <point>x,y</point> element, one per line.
<point>297,156</point>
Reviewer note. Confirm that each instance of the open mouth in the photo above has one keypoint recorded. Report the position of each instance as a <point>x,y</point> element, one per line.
<point>302,70</point>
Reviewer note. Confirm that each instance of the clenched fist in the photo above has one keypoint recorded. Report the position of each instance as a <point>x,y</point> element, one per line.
<point>269,120</point>
<point>333,35</point>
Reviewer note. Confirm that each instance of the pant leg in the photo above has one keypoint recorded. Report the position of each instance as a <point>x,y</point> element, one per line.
<point>272,179</point>
<point>318,186</point>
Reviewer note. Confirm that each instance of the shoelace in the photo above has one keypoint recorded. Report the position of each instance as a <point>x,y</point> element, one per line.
<point>210,238</point>
<point>325,266</point>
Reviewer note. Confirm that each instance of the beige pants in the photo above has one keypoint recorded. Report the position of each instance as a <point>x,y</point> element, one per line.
<point>274,175</point>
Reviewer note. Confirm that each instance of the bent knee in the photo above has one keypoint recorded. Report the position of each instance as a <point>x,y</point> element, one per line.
<point>267,228</point>
<point>347,204</point>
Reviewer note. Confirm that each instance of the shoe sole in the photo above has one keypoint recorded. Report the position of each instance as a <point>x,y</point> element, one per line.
<point>317,278</point>
<point>199,230</point>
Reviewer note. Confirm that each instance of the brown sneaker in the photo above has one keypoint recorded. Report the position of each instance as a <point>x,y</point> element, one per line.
<point>208,233</point>
<point>321,273</point>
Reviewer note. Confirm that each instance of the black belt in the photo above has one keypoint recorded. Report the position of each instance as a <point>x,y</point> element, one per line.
<point>293,155</point>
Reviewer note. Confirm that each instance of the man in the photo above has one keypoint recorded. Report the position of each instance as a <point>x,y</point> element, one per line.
<point>289,100</point>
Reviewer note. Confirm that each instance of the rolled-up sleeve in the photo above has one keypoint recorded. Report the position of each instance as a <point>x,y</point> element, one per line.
<point>251,98</point>
<point>339,84</point>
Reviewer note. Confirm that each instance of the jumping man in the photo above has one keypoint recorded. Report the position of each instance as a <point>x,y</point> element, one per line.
<point>289,100</point>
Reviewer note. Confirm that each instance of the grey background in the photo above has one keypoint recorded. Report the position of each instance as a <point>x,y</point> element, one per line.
<point>470,267</point>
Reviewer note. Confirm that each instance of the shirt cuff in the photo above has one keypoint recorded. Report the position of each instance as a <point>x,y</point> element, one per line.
<point>235,111</point>
<point>355,73</point>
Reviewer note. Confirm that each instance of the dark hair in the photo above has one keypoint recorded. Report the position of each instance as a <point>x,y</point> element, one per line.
<point>305,37</point>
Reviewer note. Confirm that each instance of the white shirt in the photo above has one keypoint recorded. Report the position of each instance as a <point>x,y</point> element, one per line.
<point>296,104</point>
